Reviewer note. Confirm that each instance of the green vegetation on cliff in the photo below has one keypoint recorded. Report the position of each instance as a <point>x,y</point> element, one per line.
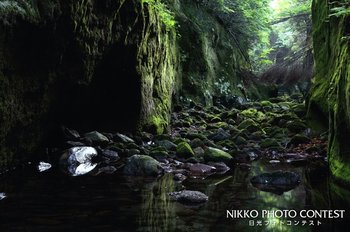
<point>330,92</point>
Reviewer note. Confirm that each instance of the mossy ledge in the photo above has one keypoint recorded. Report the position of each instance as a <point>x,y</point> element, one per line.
<point>331,89</point>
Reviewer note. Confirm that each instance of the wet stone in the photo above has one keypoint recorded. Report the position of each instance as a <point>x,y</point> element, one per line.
<point>220,135</point>
<point>122,138</point>
<point>179,177</point>
<point>189,197</point>
<point>167,144</point>
<point>201,169</point>
<point>142,165</point>
<point>184,150</point>
<point>70,134</point>
<point>96,138</point>
<point>221,167</point>
<point>216,155</point>
<point>74,144</point>
<point>110,155</point>
<point>276,182</point>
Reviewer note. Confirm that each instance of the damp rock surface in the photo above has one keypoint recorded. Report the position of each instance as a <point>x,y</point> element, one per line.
<point>189,197</point>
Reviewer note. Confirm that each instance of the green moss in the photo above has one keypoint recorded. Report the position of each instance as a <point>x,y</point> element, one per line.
<point>166,16</point>
<point>216,155</point>
<point>247,124</point>
<point>330,92</point>
<point>253,114</point>
<point>270,143</point>
<point>184,150</point>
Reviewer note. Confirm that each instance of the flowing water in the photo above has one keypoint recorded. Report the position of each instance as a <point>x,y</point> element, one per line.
<point>52,201</point>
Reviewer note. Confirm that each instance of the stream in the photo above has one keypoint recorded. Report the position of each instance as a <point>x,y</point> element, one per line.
<point>51,201</point>
<point>128,187</point>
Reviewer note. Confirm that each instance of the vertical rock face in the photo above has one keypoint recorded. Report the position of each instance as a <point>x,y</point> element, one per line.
<point>210,56</point>
<point>89,64</point>
<point>331,90</point>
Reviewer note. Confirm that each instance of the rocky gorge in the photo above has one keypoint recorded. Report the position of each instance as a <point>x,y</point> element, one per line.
<point>153,108</point>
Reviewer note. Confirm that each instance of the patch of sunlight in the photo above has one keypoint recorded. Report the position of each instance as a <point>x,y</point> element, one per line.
<point>278,6</point>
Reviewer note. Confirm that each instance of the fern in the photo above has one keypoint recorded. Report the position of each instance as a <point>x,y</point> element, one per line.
<point>339,11</point>
<point>166,16</point>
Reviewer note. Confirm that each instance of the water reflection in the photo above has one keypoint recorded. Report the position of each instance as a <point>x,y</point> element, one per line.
<point>157,211</point>
<point>50,202</point>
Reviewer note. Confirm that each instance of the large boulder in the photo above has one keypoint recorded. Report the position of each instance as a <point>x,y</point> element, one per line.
<point>142,165</point>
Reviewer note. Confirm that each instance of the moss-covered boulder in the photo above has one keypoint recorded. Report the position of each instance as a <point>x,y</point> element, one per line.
<point>184,150</point>
<point>253,113</point>
<point>142,165</point>
<point>216,155</point>
<point>249,124</point>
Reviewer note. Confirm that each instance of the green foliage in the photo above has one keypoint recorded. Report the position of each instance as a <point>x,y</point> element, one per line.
<point>166,16</point>
<point>340,11</point>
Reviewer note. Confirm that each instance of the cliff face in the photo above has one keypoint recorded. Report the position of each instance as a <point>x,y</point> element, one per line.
<point>331,89</point>
<point>88,64</point>
<point>210,57</point>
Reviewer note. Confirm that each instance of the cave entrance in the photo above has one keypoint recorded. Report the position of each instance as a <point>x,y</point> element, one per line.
<point>116,90</point>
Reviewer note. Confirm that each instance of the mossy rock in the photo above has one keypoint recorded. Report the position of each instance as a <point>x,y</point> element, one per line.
<point>142,165</point>
<point>184,150</point>
<point>299,139</point>
<point>240,140</point>
<point>266,103</point>
<point>296,126</point>
<point>232,114</point>
<point>269,143</point>
<point>159,154</point>
<point>285,105</point>
<point>248,124</point>
<point>180,140</point>
<point>299,110</point>
<point>214,119</point>
<point>216,155</point>
<point>254,114</point>
<point>197,143</point>
<point>227,143</point>
<point>218,125</point>
<point>194,136</point>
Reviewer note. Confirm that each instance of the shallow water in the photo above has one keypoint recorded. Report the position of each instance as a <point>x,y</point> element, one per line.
<point>52,201</point>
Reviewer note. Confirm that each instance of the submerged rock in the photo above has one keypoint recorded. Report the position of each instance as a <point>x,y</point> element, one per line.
<point>276,182</point>
<point>189,197</point>
<point>142,165</point>
<point>78,160</point>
